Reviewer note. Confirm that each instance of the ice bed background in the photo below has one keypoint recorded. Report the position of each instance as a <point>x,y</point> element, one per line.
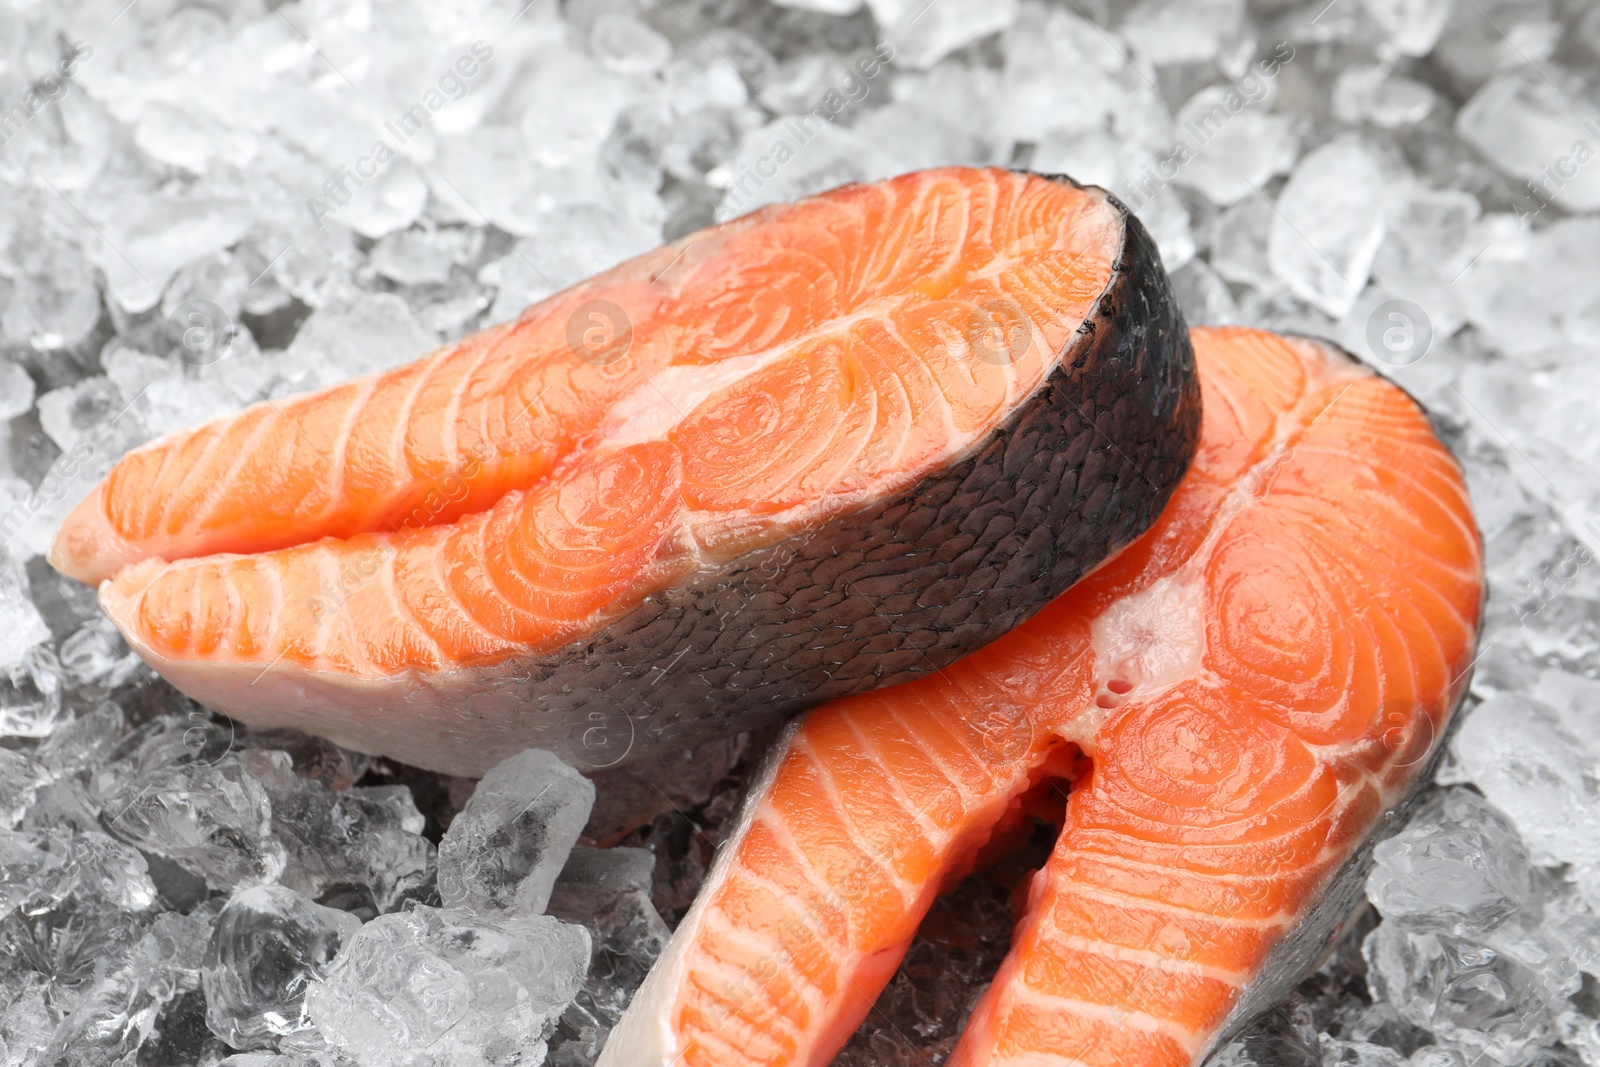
<point>205,205</point>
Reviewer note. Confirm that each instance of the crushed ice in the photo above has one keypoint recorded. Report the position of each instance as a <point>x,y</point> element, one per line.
<point>205,206</point>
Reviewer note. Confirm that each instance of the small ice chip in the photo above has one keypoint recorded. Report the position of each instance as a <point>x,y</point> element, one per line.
<point>506,848</point>
<point>270,943</point>
<point>430,986</point>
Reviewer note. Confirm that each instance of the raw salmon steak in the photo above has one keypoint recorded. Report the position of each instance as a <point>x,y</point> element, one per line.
<point>1230,707</point>
<point>822,448</point>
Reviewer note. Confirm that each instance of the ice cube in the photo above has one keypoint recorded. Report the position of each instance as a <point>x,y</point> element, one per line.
<point>1359,1053</point>
<point>144,240</point>
<point>1581,1033</point>
<point>36,871</point>
<point>270,943</point>
<point>370,332</point>
<point>1428,242</point>
<point>1375,94</point>
<point>422,256</point>
<point>133,371</point>
<point>1329,224</point>
<point>111,872</point>
<point>1183,31</point>
<point>212,819</point>
<point>1486,1001</point>
<point>1239,244</point>
<point>66,414</point>
<point>1531,767</point>
<point>55,301</point>
<point>1458,867</point>
<point>30,693</point>
<point>316,758</point>
<point>363,838</point>
<point>1411,26</point>
<point>573,243</point>
<point>1576,699</point>
<point>699,145</point>
<point>1283,1037</point>
<point>431,986</point>
<point>909,136</point>
<point>561,136</point>
<point>96,653</point>
<point>1042,43</point>
<point>275,1059</point>
<point>81,742</point>
<point>623,44</point>
<point>21,777</point>
<point>925,31</point>
<point>1537,297</point>
<point>1471,996</point>
<point>31,1004</point>
<point>222,279</point>
<point>826,7</point>
<point>22,628</point>
<point>505,850</point>
<point>62,805</point>
<point>16,390</point>
<point>1235,145</point>
<point>1483,37</point>
<point>118,1010</point>
<point>1539,133</point>
<point>163,740</point>
<point>1203,296</point>
<point>390,202</point>
<point>608,892</point>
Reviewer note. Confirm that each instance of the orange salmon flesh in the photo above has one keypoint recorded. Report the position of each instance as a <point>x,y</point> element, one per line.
<point>551,489</point>
<point>1235,701</point>
<point>406,562</point>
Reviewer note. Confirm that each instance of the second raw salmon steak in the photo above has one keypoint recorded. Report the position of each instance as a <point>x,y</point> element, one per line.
<point>819,449</point>
<point>1221,721</point>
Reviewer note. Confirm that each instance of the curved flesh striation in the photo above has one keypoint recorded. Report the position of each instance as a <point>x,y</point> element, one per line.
<point>1235,701</point>
<point>552,514</point>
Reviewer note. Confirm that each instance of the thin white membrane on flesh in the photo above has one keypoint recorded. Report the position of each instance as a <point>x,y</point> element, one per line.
<point>1150,640</point>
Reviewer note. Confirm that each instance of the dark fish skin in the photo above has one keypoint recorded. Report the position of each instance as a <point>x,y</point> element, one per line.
<point>911,582</point>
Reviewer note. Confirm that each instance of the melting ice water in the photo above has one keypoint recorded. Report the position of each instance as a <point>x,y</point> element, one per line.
<point>193,217</point>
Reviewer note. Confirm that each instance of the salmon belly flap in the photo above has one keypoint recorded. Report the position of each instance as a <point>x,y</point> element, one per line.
<point>823,448</point>
<point>1237,699</point>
